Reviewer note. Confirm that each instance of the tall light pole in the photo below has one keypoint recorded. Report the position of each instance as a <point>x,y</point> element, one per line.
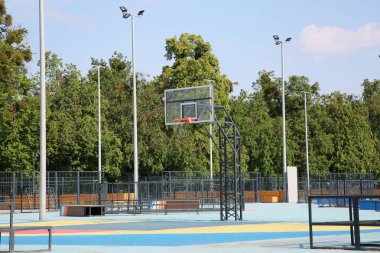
<point>126,14</point>
<point>42,183</point>
<point>99,129</point>
<point>307,146</point>
<point>279,42</point>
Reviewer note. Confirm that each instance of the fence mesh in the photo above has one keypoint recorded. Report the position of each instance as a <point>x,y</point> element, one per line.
<point>168,192</point>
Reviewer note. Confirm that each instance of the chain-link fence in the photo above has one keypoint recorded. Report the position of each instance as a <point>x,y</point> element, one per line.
<point>168,192</point>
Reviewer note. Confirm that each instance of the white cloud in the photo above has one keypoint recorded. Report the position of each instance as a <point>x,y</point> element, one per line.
<point>329,40</point>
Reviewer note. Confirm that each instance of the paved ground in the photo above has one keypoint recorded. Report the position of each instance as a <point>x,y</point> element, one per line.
<point>265,228</point>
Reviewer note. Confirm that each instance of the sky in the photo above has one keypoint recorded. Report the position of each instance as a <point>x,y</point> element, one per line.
<point>334,42</point>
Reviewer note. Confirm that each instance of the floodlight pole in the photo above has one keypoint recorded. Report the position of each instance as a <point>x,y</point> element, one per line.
<point>42,182</point>
<point>99,130</point>
<point>135,154</point>
<point>283,124</point>
<point>307,147</point>
<point>279,42</point>
<point>126,14</point>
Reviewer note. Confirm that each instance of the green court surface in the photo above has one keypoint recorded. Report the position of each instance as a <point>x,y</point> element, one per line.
<point>265,228</point>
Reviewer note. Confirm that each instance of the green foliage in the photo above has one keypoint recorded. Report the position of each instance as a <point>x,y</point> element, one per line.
<point>344,131</point>
<point>340,134</point>
<point>18,115</point>
<point>194,65</point>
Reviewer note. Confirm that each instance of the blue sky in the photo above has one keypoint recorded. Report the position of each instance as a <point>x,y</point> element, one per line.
<point>335,42</point>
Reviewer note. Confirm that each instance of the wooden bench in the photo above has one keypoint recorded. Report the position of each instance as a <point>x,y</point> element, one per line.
<point>181,206</point>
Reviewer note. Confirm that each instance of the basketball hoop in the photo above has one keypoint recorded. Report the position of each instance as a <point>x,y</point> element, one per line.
<point>190,105</point>
<point>185,120</point>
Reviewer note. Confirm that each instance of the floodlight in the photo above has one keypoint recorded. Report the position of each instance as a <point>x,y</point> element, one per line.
<point>140,13</point>
<point>123,9</point>
<point>125,12</point>
<point>275,37</point>
<point>278,42</point>
<point>288,39</point>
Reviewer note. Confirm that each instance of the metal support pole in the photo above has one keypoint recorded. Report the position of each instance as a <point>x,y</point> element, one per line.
<point>309,200</point>
<point>356,223</point>
<point>11,232</point>
<point>42,183</point>
<point>13,195</point>
<point>283,124</point>
<point>99,131</point>
<point>21,190</point>
<point>351,223</point>
<point>220,175</point>
<point>56,189</point>
<point>78,188</point>
<point>307,148</point>
<point>225,166</point>
<point>211,164</point>
<point>135,151</point>
<point>234,174</point>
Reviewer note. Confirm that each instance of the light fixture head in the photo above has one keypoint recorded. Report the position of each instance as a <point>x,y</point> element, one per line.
<point>275,37</point>
<point>278,42</point>
<point>123,9</point>
<point>140,13</point>
<point>288,39</point>
<point>125,12</point>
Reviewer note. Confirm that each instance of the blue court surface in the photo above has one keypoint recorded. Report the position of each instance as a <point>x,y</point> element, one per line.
<point>273,227</point>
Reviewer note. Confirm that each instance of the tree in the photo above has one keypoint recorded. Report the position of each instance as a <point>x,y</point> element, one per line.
<point>18,107</point>
<point>354,147</point>
<point>258,131</point>
<point>371,97</point>
<point>193,65</point>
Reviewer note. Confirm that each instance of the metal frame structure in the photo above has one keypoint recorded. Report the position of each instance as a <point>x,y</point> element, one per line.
<point>12,230</point>
<point>227,140</point>
<point>353,223</point>
<point>228,143</point>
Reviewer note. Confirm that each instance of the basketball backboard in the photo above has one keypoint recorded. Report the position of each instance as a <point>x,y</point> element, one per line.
<point>189,105</point>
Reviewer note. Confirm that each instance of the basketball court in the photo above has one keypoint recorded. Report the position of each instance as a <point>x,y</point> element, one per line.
<point>266,228</point>
<point>271,227</point>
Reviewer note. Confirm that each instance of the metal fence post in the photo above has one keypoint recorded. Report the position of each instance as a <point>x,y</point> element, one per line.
<point>306,190</point>
<point>48,185</point>
<point>22,189</point>
<point>13,187</point>
<point>202,200</point>
<point>33,190</point>
<point>78,188</point>
<point>63,185</point>
<point>56,189</point>
<point>361,186</point>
